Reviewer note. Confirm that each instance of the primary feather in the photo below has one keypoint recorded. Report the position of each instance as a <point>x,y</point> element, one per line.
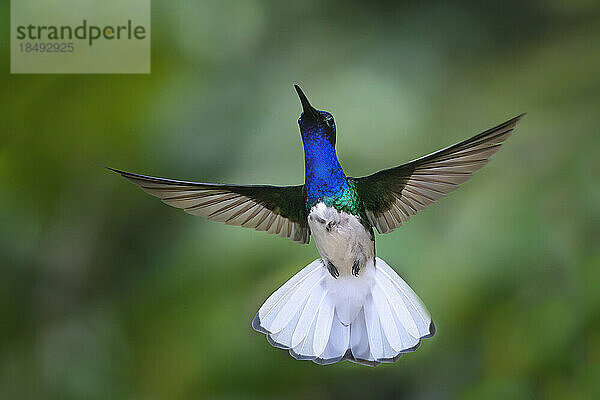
<point>391,196</point>
<point>275,209</point>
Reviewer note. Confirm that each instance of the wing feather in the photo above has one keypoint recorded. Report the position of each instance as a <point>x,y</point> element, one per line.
<point>276,209</point>
<point>391,196</point>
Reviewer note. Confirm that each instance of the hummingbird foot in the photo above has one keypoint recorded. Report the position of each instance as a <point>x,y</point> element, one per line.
<point>332,270</point>
<point>329,225</point>
<point>356,268</point>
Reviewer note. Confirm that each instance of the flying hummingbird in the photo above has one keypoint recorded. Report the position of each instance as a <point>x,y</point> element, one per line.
<point>348,304</point>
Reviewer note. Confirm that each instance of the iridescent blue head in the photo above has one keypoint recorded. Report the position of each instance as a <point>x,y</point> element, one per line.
<point>325,180</point>
<point>315,124</point>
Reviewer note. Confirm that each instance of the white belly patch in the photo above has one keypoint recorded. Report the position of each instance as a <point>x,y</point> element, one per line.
<point>340,238</point>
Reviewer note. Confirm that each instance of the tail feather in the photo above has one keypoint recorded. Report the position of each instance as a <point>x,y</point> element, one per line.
<point>413,303</point>
<point>282,314</point>
<point>303,316</point>
<point>360,347</point>
<point>338,343</point>
<point>323,325</point>
<point>283,338</point>
<point>276,302</point>
<point>308,315</point>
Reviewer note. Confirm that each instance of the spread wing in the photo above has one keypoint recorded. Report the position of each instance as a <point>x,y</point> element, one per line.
<point>391,196</point>
<point>275,209</point>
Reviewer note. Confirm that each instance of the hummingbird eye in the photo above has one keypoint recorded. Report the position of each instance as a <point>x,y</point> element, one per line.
<point>329,122</point>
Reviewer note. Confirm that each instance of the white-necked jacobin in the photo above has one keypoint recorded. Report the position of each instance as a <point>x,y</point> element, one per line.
<point>348,304</point>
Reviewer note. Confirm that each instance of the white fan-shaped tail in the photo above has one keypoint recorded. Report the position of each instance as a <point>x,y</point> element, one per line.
<point>309,316</point>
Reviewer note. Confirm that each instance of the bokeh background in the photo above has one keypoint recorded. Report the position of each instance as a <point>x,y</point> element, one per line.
<point>106,293</point>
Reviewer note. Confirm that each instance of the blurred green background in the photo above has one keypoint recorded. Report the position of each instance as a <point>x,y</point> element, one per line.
<point>106,293</point>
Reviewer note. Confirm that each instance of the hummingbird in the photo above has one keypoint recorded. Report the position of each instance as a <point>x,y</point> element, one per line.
<point>348,304</point>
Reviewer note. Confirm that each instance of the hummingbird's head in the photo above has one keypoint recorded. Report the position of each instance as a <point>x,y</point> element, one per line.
<point>315,124</point>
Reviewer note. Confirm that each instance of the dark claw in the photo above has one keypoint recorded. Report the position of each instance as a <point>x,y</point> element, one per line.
<point>332,270</point>
<point>355,268</point>
<point>318,219</point>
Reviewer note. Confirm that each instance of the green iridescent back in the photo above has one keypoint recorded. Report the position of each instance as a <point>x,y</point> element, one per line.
<point>346,200</point>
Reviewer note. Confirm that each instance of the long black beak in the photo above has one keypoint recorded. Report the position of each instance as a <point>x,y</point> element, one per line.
<point>308,109</point>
